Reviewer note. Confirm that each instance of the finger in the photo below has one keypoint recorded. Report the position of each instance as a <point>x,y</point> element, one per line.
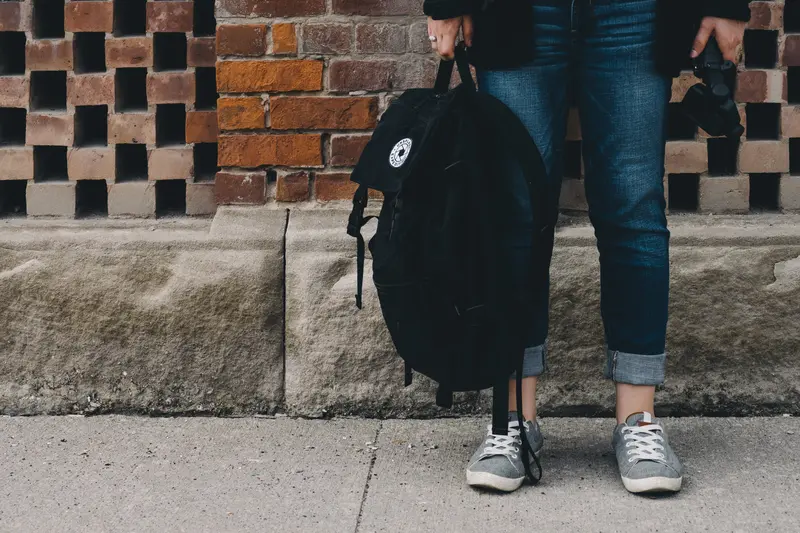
<point>447,46</point>
<point>468,29</point>
<point>701,40</point>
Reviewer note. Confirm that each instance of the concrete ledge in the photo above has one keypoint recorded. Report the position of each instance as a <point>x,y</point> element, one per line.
<point>733,337</point>
<point>156,317</point>
<point>187,316</point>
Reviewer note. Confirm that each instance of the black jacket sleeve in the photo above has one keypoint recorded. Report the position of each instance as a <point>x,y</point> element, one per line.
<point>729,9</point>
<point>446,9</point>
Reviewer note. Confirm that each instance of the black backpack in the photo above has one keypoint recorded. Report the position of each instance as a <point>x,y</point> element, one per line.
<point>448,280</point>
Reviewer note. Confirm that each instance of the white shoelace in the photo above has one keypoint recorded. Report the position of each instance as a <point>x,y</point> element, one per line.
<point>644,442</point>
<point>507,445</point>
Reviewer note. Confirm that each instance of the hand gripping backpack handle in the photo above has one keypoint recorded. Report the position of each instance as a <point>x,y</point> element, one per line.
<point>445,73</point>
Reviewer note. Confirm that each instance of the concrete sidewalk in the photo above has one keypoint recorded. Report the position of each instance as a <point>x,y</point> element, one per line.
<point>128,474</point>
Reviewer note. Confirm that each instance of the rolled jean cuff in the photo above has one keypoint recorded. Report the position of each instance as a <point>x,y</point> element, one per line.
<point>534,362</point>
<point>635,369</point>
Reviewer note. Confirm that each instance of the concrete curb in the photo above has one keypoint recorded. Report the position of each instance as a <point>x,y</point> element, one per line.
<point>187,316</point>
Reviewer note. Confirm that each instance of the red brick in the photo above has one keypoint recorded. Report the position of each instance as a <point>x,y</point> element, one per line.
<point>327,38</point>
<point>49,130</point>
<point>271,8</point>
<point>419,38</point>
<point>15,16</point>
<point>49,55</point>
<point>91,163</point>
<point>89,16</point>
<point>14,91</point>
<point>132,128</point>
<point>202,52</point>
<point>170,88</point>
<point>201,127</point>
<point>170,16</point>
<point>257,150</point>
<point>377,7</point>
<point>369,75</point>
<point>290,112</point>
<point>269,76</point>
<point>170,163</point>
<point>242,40</point>
<point>751,86</point>
<point>333,186</point>
<point>129,52</point>
<point>381,38</point>
<point>284,39</point>
<point>241,113</point>
<point>765,16</point>
<point>791,51</point>
<point>347,149</point>
<point>17,163</point>
<point>790,121</point>
<point>292,187</point>
<point>764,157</point>
<point>248,188</point>
<point>90,89</point>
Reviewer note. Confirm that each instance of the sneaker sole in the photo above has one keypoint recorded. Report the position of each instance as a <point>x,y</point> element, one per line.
<point>485,480</point>
<point>653,484</point>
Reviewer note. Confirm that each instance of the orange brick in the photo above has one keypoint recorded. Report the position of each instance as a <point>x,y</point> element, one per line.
<point>89,16</point>
<point>333,186</point>
<point>16,162</point>
<point>241,113</point>
<point>323,113</point>
<point>292,187</point>
<point>686,157</point>
<point>284,39</point>
<point>90,89</point>
<point>257,150</point>
<point>269,76</point>
<point>201,127</point>
<point>242,40</point>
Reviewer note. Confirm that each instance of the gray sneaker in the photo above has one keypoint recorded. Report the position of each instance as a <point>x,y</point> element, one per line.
<point>497,463</point>
<point>645,459</point>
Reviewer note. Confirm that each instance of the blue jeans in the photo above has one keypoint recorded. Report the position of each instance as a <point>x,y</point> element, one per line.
<point>604,51</point>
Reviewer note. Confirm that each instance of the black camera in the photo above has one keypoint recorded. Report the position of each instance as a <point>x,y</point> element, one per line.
<point>710,104</point>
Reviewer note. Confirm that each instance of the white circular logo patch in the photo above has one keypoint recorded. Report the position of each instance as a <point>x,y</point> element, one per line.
<point>400,153</point>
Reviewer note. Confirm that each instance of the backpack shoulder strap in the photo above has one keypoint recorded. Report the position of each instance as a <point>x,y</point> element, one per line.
<point>357,221</point>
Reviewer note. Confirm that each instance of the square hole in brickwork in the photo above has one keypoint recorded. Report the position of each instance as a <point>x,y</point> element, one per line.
<point>794,157</point>
<point>131,162</point>
<point>12,198</point>
<point>205,24</point>
<point>130,17</point>
<point>170,124</point>
<point>48,19</point>
<point>170,197</point>
<point>12,53</point>
<point>763,121</point>
<point>48,90</point>
<point>572,159</point>
<point>49,163</point>
<point>170,51</point>
<point>679,127</point>
<point>760,48</point>
<point>205,161</point>
<point>764,192</point>
<point>91,197</point>
<point>131,89</point>
<point>89,52</point>
<point>683,192</point>
<point>722,156</point>
<point>206,87</point>
<point>12,126</point>
<point>793,85</point>
<point>91,125</point>
<point>791,16</point>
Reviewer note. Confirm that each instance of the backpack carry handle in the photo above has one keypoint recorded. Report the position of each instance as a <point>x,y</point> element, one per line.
<point>445,73</point>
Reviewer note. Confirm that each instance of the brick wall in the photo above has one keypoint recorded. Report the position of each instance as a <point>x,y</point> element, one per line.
<point>301,84</point>
<point>107,107</point>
